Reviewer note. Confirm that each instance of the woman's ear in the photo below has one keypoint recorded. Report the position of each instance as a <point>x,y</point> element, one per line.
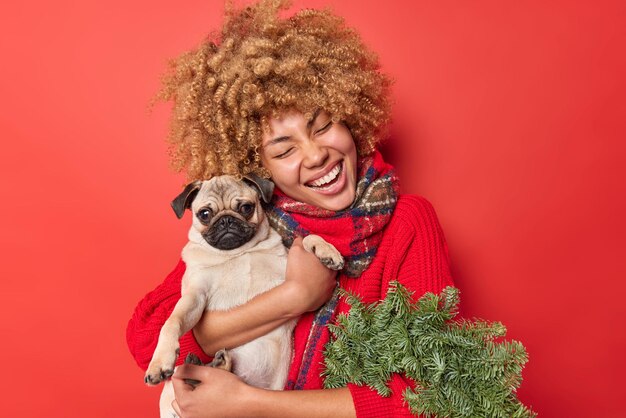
<point>264,187</point>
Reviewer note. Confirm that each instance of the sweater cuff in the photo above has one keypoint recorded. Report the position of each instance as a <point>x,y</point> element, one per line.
<point>189,344</point>
<point>368,403</point>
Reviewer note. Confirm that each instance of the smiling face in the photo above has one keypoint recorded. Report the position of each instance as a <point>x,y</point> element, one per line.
<point>313,161</point>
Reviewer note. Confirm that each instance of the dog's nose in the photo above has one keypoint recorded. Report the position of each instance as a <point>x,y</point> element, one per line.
<point>225,221</point>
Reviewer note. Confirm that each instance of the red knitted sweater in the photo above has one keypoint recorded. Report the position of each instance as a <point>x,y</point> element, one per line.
<point>413,251</point>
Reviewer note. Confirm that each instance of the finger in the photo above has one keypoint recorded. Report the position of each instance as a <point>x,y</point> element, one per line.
<point>297,241</point>
<point>176,408</point>
<point>181,389</point>
<point>191,371</point>
<point>185,375</point>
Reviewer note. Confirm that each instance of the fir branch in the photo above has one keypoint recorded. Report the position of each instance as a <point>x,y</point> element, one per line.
<point>460,367</point>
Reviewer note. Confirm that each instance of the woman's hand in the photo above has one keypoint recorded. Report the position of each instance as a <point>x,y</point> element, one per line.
<point>219,393</point>
<point>222,394</point>
<point>310,284</point>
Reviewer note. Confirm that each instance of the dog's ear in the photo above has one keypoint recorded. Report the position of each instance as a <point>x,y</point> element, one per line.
<point>264,187</point>
<point>183,200</point>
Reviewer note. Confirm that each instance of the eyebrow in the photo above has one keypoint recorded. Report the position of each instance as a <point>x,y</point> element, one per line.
<point>277,140</point>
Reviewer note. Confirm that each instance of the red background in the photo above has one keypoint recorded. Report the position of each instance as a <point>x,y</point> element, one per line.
<point>510,119</point>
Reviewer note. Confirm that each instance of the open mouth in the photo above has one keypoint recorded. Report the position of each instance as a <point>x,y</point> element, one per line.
<point>326,182</point>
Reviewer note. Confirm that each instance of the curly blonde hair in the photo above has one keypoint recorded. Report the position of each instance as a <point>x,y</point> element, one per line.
<point>226,90</point>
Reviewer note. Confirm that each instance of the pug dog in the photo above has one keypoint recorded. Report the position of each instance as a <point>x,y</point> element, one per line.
<point>232,255</point>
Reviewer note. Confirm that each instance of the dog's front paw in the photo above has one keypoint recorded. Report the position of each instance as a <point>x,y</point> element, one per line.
<point>327,253</point>
<point>161,367</point>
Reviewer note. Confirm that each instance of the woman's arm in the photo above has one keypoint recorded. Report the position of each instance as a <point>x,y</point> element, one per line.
<point>300,293</point>
<point>222,394</point>
<point>308,284</point>
<point>421,264</point>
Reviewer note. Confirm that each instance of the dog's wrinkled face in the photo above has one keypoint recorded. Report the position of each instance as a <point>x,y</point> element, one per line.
<point>226,212</point>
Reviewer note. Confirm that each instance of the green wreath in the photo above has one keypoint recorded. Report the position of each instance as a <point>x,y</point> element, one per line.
<point>461,367</point>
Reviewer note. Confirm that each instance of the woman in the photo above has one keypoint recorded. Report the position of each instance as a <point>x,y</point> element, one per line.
<point>299,100</point>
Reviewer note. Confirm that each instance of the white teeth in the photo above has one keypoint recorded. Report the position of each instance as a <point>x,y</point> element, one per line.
<point>328,177</point>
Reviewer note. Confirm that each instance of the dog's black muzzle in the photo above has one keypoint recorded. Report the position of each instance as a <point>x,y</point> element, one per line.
<point>228,233</point>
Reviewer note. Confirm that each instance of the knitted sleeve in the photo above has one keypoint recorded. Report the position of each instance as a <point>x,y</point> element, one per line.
<point>151,313</point>
<point>420,262</point>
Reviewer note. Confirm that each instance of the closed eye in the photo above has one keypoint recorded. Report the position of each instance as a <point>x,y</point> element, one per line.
<point>284,154</point>
<point>325,127</point>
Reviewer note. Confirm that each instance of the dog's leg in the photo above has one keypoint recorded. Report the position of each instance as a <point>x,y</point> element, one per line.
<point>186,314</point>
<point>327,253</point>
<point>165,403</point>
<point>222,360</point>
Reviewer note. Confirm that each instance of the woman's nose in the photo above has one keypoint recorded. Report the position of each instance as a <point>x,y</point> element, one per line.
<point>314,155</point>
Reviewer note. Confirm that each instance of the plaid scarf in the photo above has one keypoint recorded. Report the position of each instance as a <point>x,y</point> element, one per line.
<point>355,231</point>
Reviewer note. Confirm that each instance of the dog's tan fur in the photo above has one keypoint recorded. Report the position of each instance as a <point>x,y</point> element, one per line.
<point>217,279</point>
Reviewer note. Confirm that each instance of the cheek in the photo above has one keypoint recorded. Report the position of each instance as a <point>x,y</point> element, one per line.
<point>284,172</point>
<point>341,140</point>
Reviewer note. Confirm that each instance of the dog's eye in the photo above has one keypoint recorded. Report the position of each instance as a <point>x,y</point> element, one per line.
<point>246,209</point>
<point>204,215</point>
